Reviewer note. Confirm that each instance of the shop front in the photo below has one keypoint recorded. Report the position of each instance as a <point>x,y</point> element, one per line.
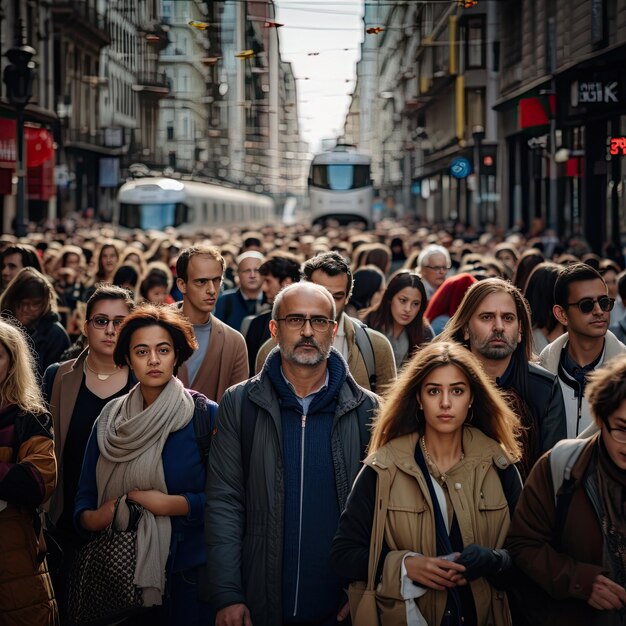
<point>39,173</point>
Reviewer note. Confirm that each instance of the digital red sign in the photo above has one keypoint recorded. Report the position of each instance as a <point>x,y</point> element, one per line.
<point>617,146</point>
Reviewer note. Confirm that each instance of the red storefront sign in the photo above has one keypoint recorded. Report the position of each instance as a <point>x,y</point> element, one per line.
<point>536,111</point>
<point>39,159</point>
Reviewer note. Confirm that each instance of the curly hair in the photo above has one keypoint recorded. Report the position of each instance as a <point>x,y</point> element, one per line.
<point>606,389</point>
<point>167,317</point>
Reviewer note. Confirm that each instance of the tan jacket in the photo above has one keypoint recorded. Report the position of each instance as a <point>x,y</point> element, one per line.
<point>65,389</point>
<point>225,363</point>
<point>481,509</point>
<point>383,357</point>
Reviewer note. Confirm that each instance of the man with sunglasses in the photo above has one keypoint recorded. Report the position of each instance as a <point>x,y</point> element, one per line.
<point>583,306</point>
<point>288,446</point>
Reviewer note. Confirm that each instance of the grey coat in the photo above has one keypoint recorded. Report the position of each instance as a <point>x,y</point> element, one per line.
<point>244,522</point>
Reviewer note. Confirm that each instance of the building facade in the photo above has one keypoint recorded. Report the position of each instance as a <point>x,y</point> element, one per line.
<point>27,23</point>
<point>562,116</point>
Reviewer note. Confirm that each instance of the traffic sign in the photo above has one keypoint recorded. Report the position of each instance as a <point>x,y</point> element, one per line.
<point>460,167</point>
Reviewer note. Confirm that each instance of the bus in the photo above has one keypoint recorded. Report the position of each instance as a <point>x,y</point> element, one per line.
<point>340,186</point>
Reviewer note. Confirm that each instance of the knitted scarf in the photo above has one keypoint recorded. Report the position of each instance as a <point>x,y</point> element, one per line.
<point>131,440</point>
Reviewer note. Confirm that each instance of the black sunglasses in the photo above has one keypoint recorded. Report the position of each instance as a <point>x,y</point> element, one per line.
<point>586,305</point>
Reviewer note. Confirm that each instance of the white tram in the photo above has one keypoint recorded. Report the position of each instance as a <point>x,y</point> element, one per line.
<point>154,203</point>
<point>340,186</point>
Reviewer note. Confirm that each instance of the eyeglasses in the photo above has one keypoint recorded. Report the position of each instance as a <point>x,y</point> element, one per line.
<point>619,434</point>
<point>103,322</point>
<point>437,268</point>
<point>586,305</point>
<point>297,322</point>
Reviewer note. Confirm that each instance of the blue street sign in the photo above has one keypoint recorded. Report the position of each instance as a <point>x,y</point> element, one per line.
<point>460,167</point>
<point>416,188</point>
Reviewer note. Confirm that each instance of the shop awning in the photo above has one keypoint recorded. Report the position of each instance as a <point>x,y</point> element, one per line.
<point>39,144</point>
<point>39,159</point>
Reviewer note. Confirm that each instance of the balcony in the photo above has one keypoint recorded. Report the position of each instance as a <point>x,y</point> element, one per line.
<point>153,84</point>
<point>109,142</point>
<point>82,19</point>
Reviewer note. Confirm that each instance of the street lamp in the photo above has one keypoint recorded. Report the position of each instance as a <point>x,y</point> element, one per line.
<point>18,78</point>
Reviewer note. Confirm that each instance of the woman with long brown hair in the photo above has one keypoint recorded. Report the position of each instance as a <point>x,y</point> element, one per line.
<point>442,456</point>
<point>400,315</point>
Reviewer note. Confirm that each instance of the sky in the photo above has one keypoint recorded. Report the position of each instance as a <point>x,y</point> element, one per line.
<point>334,29</point>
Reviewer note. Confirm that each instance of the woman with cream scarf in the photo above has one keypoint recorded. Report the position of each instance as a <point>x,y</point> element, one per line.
<point>143,448</point>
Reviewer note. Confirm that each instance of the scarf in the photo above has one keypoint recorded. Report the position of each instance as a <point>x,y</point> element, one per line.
<point>131,441</point>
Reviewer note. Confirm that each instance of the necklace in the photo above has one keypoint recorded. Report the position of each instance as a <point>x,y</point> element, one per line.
<point>432,464</point>
<point>98,374</point>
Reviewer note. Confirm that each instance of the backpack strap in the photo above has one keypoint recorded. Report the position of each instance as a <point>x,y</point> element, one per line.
<point>364,344</point>
<point>203,425</point>
<point>562,459</point>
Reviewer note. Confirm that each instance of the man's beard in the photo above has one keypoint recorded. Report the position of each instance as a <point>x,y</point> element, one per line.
<point>310,359</point>
<point>494,353</point>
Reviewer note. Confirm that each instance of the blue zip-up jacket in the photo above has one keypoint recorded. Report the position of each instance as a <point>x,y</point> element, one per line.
<point>245,514</point>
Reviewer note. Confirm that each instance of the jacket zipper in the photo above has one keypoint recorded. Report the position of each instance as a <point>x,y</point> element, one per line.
<point>302,430</point>
<point>580,409</point>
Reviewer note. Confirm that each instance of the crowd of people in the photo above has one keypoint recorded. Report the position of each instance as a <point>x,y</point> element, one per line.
<point>406,426</point>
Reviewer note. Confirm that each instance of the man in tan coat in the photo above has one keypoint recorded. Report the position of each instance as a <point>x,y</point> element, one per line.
<point>222,358</point>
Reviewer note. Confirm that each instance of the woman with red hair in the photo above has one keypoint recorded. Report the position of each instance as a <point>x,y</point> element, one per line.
<point>446,300</point>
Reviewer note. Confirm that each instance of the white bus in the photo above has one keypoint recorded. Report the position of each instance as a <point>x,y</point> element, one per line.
<point>154,203</point>
<point>340,186</point>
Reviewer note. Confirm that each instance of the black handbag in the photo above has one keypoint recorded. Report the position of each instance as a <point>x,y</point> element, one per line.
<point>101,590</point>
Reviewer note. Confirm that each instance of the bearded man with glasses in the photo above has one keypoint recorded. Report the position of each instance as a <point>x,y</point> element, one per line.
<point>288,446</point>
<point>583,306</point>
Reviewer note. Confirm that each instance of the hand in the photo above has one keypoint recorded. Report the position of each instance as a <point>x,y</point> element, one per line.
<point>434,572</point>
<point>233,615</point>
<point>99,519</point>
<point>606,594</point>
<point>480,561</point>
<point>159,503</point>
<point>345,611</point>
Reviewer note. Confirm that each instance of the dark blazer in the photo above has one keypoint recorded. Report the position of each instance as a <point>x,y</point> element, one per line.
<point>258,333</point>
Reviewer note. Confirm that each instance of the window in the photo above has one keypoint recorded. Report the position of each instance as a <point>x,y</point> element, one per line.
<point>441,54</point>
<point>184,126</point>
<point>511,33</point>
<point>170,131</point>
<point>183,80</point>
<point>474,109</point>
<point>475,43</point>
<point>181,10</point>
<point>340,177</point>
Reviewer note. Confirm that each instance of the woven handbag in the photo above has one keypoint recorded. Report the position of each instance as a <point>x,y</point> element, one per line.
<point>101,589</point>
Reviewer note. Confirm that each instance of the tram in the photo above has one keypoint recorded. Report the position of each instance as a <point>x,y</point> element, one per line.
<point>340,186</point>
<point>155,203</point>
